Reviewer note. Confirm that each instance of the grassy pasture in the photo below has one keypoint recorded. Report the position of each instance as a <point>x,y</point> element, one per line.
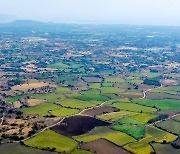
<point>42,109</point>
<point>13,98</point>
<point>165,104</point>
<point>116,137</point>
<point>75,103</point>
<point>91,92</point>
<point>129,120</point>
<point>94,85</point>
<point>79,151</point>
<point>92,98</point>
<point>114,116</point>
<point>135,131</point>
<point>143,117</point>
<point>16,148</point>
<point>59,65</point>
<point>170,126</point>
<point>114,79</point>
<point>164,148</point>
<point>107,84</point>
<point>111,90</point>
<point>62,89</point>
<point>152,134</point>
<point>64,112</point>
<point>51,139</point>
<point>170,90</point>
<point>133,107</point>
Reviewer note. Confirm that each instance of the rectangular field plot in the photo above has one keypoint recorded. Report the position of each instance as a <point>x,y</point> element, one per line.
<point>170,126</point>
<point>170,90</point>
<point>135,131</point>
<point>52,140</point>
<point>152,134</point>
<point>114,116</point>
<point>118,138</point>
<point>165,104</point>
<point>94,85</point>
<point>42,109</point>
<point>111,90</point>
<point>64,112</point>
<point>134,107</point>
<point>114,79</point>
<point>144,117</point>
<point>130,120</point>
<point>75,103</point>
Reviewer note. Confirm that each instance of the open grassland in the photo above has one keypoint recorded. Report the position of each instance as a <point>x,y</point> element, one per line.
<point>111,90</point>
<point>165,104</point>
<point>13,98</point>
<point>51,139</point>
<point>114,80</point>
<point>143,117</point>
<point>131,94</point>
<point>133,107</point>
<point>16,148</point>
<point>42,109</point>
<point>94,85</point>
<point>114,116</point>
<point>164,148</point>
<point>79,151</point>
<point>29,86</point>
<point>64,112</point>
<point>91,92</point>
<point>150,74</point>
<point>75,103</point>
<point>92,98</point>
<point>170,126</point>
<point>59,65</point>
<point>107,84</point>
<point>129,120</point>
<point>134,81</point>
<point>135,131</point>
<point>177,118</point>
<point>118,138</point>
<point>152,134</point>
<point>62,89</point>
<point>173,90</point>
<point>50,97</point>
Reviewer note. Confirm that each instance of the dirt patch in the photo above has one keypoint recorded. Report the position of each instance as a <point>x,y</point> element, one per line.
<point>169,113</point>
<point>77,125</point>
<point>99,110</point>
<point>170,82</point>
<point>28,86</point>
<point>34,102</point>
<point>103,146</point>
<point>17,104</point>
<point>161,96</point>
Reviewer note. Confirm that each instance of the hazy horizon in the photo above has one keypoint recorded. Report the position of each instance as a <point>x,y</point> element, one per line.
<point>136,12</point>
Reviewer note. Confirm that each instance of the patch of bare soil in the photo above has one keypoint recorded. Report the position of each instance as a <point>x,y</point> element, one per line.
<point>103,146</point>
<point>77,125</point>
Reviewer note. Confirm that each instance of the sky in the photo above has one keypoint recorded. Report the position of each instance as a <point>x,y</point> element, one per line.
<point>136,12</point>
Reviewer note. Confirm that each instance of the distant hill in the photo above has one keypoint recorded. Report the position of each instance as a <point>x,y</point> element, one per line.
<point>6,18</point>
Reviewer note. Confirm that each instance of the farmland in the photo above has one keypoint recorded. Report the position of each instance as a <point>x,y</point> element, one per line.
<point>52,140</point>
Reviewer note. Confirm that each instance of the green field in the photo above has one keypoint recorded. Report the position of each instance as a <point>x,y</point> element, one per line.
<point>170,126</point>
<point>114,80</point>
<point>165,104</point>
<point>91,92</point>
<point>170,90</point>
<point>107,84</point>
<point>64,112</point>
<point>129,120</point>
<point>13,99</point>
<point>75,103</point>
<point>111,90</point>
<point>59,65</point>
<point>79,151</point>
<point>42,109</point>
<point>16,148</point>
<point>114,116</point>
<point>116,137</point>
<point>135,131</point>
<point>143,117</point>
<point>133,107</point>
<point>92,98</point>
<point>62,89</point>
<point>94,85</point>
<point>152,134</point>
<point>51,139</point>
